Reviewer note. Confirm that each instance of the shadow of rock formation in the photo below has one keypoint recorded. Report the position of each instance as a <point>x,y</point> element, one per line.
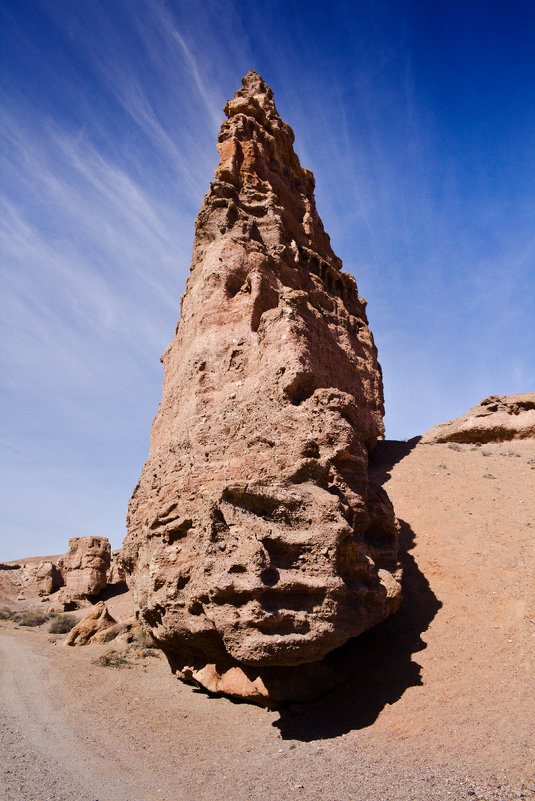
<point>380,661</point>
<point>110,591</point>
<point>386,454</point>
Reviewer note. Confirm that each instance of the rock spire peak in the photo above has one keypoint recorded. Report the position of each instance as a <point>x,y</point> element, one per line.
<point>256,543</point>
<point>260,191</point>
<point>254,84</point>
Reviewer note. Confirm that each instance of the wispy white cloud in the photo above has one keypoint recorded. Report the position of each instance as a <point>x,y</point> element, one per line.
<point>166,25</point>
<point>92,231</point>
<point>92,270</point>
<point>96,238</point>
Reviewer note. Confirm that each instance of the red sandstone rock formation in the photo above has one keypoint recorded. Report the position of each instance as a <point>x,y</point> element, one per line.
<point>497,418</point>
<point>116,572</point>
<point>85,567</point>
<point>98,627</point>
<point>96,621</point>
<point>255,543</point>
<point>48,578</point>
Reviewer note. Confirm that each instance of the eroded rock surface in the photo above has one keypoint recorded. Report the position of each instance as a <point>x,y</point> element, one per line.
<point>255,542</point>
<point>98,627</point>
<point>116,572</point>
<point>496,418</point>
<point>48,578</point>
<point>97,621</point>
<point>85,566</point>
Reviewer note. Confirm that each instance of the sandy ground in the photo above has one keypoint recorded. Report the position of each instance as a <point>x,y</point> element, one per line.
<point>440,706</point>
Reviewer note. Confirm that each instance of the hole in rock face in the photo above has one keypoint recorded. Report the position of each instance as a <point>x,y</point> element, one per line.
<point>219,527</point>
<point>195,608</point>
<point>232,215</point>
<point>237,569</point>
<point>255,234</point>
<point>301,388</point>
<point>181,582</point>
<point>256,503</point>
<point>177,532</point>
<point>314,265</point>
<point>281,624</point>
<point>311,449</point>
<point>283,555</point>
<point>153,617</point>
<point>269,576</point>
<point>233,284</point>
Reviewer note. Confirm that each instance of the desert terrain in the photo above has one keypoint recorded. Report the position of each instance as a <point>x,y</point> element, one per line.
<point>439,706</point>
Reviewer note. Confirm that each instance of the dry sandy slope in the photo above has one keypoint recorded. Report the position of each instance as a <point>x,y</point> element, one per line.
<point>440,707</point>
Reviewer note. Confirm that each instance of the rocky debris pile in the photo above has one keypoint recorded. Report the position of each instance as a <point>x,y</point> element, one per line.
<point>256,543</point>
<point>496,418</point>
<point>98,627</point>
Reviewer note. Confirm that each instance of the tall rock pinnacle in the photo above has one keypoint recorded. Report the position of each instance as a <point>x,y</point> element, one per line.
<point>255,543</point>
<point>268,192</point>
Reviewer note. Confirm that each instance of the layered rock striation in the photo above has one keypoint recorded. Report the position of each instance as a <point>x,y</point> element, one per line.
<point>255,542</point>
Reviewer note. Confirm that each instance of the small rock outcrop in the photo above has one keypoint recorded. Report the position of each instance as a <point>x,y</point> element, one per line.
<point>98,627</point>
<point>256,543</point>
<point>85,567</point>
<point>495,419</point>
<point>124,631</point>
<point>48,578</point>
<point>96,621</point>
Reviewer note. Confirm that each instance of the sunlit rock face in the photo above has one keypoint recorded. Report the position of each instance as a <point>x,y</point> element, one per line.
<point>48,578</point>
<point>497,418</point>
<point>85,566</point>
<point>255,543</point>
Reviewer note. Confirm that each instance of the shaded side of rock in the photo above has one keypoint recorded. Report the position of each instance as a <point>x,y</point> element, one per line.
<point>497,418</point>
<point>255,540</point>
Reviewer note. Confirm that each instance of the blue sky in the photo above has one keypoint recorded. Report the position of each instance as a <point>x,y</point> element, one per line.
<point>418,120</point>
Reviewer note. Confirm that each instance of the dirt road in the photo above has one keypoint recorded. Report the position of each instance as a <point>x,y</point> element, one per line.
<point>44,754</point>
